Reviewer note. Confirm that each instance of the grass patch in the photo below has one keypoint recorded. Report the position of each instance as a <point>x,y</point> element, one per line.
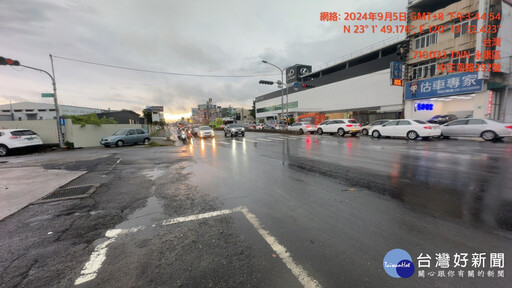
<point>167,142</point>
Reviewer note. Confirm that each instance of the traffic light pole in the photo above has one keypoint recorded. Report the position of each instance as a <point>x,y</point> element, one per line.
<point>282,83</point>
<point>59,128</point>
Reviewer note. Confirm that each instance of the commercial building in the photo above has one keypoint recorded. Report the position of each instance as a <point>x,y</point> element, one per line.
<point>447,54</point>
<point>355,87</point>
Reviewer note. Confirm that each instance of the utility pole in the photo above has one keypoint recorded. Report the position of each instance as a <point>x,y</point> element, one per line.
<point>7,61</point>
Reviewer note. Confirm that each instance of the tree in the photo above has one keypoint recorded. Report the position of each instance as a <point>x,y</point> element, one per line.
<point>89,119</point>
<point>148,115</point>
<point>253,110</point>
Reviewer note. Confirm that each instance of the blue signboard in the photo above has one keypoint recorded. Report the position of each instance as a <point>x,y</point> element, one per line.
<point>62,120</point>
<point>397,70</point>
<point>453,84</point>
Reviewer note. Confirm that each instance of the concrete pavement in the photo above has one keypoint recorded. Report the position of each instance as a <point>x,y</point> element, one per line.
<point>22,186</point>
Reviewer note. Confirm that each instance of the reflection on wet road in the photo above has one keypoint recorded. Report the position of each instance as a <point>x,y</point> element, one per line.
<point>356,194</point>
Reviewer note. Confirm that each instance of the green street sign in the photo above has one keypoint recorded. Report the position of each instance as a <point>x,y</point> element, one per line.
<point>47,95</point>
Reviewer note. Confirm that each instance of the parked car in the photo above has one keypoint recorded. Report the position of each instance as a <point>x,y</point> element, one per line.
<point>126,136</point>
<point>11,139</point>
<point>366,128</point>
<point>339,126</point>
<point>411,129</point>
<point>260,126</point>
<point>251,126</point>
<point>476,127</point>
<point>234,130</point>
<point>302,127</point>
<point>205,131</point>
<point>274,124</point>
<point>442,119</point>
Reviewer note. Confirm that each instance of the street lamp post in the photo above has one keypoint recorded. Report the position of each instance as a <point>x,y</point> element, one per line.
<point>282,88</point>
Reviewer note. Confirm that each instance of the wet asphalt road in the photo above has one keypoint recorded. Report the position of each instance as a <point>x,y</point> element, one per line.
<point>337,205</point>
<point>340,204</point>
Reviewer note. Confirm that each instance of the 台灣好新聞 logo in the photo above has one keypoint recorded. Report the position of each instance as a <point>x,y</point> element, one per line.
<point>398,264</point>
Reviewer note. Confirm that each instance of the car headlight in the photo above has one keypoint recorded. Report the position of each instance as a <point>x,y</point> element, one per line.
<point>107,139</point>
<point>243,129</point>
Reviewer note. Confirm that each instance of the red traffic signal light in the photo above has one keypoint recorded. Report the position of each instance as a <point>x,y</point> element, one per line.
<point>308,85</point>
<point>7,61</point>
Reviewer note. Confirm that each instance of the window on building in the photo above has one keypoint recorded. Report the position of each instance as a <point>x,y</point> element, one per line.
<point>6,110</point>
<point>424,69</point>
<point>18,110</point>
<point>425,40</point>
<point>461,58</point>
<point>464,27</point>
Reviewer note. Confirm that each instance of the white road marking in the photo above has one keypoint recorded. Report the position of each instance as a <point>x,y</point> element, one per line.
<point>281,251</point>
<point>275,138</point>
<point>249,140</point>
<point>118,161</point>
<point>199,216</point>
<point>99,254</point>
<point>224,142</point>
<point>261,139</point>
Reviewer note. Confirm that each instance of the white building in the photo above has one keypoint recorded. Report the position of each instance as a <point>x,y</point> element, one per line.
<point>356,87</point>
<point>40,111</point>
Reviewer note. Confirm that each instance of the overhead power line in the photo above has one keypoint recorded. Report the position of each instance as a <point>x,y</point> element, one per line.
<point>160,72</point>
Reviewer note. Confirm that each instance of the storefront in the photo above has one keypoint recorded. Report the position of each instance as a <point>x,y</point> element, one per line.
<point>462,94</point>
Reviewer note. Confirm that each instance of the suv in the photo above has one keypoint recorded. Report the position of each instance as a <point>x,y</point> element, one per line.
<point>339,126</point>
<point>234,130</point>
<point>17,139</point>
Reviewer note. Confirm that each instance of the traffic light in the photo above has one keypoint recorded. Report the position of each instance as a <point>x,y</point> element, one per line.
<point>308,85</point>
<point>266,82</point>
<point>7,61</point>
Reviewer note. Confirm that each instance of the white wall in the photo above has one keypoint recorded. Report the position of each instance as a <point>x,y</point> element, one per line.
<point>360,92</point>
<point>46,129</point>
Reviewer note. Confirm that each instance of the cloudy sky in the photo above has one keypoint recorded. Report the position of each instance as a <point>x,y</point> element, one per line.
<point>199,37</point>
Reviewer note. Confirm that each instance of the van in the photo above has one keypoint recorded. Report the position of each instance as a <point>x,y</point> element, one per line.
<point>313,118</point>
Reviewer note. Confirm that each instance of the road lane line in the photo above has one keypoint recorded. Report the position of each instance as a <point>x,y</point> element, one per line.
<point>99,254</point>
<point>250,140</point>
<point>261,139</point>
<point>280,139</point>
<point>281,251</point>
<point>199,216</point>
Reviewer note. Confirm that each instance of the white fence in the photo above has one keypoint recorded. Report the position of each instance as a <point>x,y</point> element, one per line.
<point>81,137</point>
<point>47,129</point>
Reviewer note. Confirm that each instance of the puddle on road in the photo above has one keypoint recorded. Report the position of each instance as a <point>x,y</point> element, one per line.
<point>142,217</point>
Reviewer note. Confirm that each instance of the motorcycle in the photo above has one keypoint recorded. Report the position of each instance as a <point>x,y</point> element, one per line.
<point>182,136</point>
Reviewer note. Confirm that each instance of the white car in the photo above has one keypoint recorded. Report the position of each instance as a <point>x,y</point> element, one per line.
<point>302,127</point>
<point>17,139</point>
<point>205,131</point>
<point>475,127</point>
<point>339,126</point>
<point>409,128</point>
<point>366,128</point>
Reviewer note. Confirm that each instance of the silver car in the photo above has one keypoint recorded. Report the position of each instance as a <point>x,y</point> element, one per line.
<point>302,127</point>
<point>476,127</point>
<point>205,131</point>
<point>126,136</point>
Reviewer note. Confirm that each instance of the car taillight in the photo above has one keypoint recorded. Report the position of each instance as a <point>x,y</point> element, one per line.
<point>427,127</point>
<point>349,125</point>
<point>15,137</point>
<point>509,127</point>
<point>360,125</point>
<point>307,126</point>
